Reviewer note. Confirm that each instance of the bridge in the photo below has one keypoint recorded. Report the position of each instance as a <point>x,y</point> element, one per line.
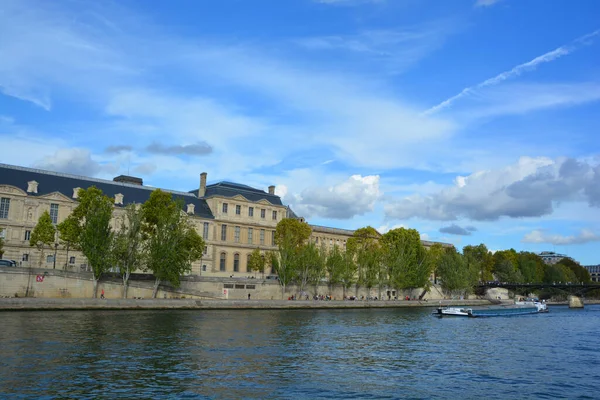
<point>577,289</point>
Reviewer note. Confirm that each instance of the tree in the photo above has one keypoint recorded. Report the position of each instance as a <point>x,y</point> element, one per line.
<point>290,236</point>
<point>481,259</point>
<point>434,256</point>
<point>531,266</point>
<point>1,247</point>
<point>582,275</point>
<point>407,259</point>
<point>454,273</point>
<point>311,266</point>
<point>94,213</point>
<point>43,234</point>
<point>334,266</point>
<point>365,249</point>
<point>173,244</point>
<point>349,270</point>
<point>257,262</point>
<point>128,245</point>
<point>69,233</point>
<point>501,270</point>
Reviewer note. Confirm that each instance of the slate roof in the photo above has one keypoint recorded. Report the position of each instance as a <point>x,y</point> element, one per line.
<point>50,182</point>
<point>230,189</point>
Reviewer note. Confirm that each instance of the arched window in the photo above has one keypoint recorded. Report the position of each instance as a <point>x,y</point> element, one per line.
<point>248,263</point>
<point>222,262</point>
<point>236,262</point>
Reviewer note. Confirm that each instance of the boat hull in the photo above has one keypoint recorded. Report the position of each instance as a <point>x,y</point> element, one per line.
<point>505,311</point>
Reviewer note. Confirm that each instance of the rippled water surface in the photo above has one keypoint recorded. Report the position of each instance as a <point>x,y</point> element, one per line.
<point>401,353</point>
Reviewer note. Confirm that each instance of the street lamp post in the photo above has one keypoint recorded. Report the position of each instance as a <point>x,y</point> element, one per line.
<point>55,250</point>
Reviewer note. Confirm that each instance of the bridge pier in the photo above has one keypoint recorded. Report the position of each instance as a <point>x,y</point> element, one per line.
<point>575,302</point>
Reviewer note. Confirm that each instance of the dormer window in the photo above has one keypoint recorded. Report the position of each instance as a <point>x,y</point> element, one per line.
<point>32,187</point>
<point>119,198</point>
<point>190,208</point>
<point>76,192</point>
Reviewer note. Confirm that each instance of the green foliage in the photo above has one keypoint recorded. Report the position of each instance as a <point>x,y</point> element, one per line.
<point>581,274</point>
<point>257,261</point>
<point>43,234</point>
<point>531,266</point>
<point>128,245</point>
<point>311,265</point>
<point>365,249</point>
<point>290,236</point>
<point>479,258</point>
<point>69,232</point>
<point>407,259</point>
<point>334,265</point>
<point>172,243</point>
<point>455,273</point>
<point>95,240</point>
<point>349,270</point>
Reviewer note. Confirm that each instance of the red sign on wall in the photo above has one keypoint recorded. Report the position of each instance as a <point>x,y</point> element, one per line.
<point>39,278</point>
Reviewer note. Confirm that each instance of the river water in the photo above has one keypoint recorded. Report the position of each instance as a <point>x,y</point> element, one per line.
<point>344,354</point>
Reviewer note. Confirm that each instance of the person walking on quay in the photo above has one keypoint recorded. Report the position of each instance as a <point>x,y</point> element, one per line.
<point>102,294</point>
<point>248,296</point>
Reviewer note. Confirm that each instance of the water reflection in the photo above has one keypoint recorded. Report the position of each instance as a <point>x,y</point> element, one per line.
<point>304,353</point>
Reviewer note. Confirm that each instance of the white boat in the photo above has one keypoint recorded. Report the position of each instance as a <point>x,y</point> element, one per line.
<point>521,307</point>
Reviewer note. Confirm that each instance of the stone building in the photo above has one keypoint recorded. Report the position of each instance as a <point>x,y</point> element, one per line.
<point>233,219</point>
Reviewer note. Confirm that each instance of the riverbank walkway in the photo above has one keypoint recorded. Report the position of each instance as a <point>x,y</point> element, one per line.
<point>34,304</point>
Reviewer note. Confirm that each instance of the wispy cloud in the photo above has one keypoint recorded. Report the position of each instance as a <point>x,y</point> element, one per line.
<point>197,149</point>
<point>486,3</point>
<point>454,229</point>
<point>117,149</point>
<point>518,70</point>
<point>541,236</point>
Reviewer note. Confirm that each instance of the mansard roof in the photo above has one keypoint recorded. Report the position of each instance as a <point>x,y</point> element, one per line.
<point>50,182</point>
<point>230,189</point>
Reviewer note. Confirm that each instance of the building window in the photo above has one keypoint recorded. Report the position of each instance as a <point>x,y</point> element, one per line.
<point>205,231</point>
<point>236,262</point>
<point>4,207</point>
<point>25,257</point>
<point>251,211</point>
<point>27,235</point>
<point>272,238</point>
<point>262,213</point>
<point>2,233</point>
<point>50,258</point>
<point>238,210</point>
<point>250,235</point>
<point>223,232</point>
<point>224,208</point>
<point>275,215</point>
<point>222,262</point>
<point>236,233</point>
<point>262,236</point>
<point>71,260</point>
<point>204,267</point>
<point>248,263</point>
<point>205,250</point>
<point>54,213</point>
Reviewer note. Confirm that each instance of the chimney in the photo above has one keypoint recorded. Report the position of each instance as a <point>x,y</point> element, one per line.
<point>202,190</point>
<point>272,189</point>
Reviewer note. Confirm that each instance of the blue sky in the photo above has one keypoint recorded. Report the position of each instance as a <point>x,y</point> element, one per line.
<point>470,120</point>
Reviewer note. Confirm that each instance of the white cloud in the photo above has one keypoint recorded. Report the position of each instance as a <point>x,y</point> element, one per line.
<point>529,188</point>
<point>540,236</point>
<point>425,236</point>
<point>454,229</point>
<point>518,70</point>
<point>386,228</point>
<point>486,3</point>
<point>73,161</point>
<point>356,196</point>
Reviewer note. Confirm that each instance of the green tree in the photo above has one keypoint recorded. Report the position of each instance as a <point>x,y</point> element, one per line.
<point>257,262</point>
<point>311,265</point>
<point>334,266</point>
<point>581,274</point>
<point>502,259</point>
<point>454,273</point>
<point>365,248</point>
<point>531,266</point>
<point>94,213</point>
<point>69,233</point>
<point>43,234</point>
<point>481,259</point>
<point>128,246</point>
<point>407,259</point>
<point>291,236</point>
<point>349,271</point>
<point>434,256</point>
<point>172,244</point>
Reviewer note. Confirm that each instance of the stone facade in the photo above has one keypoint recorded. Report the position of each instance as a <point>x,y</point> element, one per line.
<point>233,219</point>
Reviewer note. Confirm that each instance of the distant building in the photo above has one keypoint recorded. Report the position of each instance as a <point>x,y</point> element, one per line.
<point>551,257</point>
<point>594,271</point>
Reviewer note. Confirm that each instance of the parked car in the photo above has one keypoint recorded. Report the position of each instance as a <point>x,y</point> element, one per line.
<point>8,263</point>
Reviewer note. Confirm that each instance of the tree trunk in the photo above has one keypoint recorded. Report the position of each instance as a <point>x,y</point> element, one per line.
<point>344,291</point>
<point>125,284</point>
<point>67,259</point>
<point>283,291</point>
<point>41,257</point>
<point>95,293</point>
<point>155,291</point>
